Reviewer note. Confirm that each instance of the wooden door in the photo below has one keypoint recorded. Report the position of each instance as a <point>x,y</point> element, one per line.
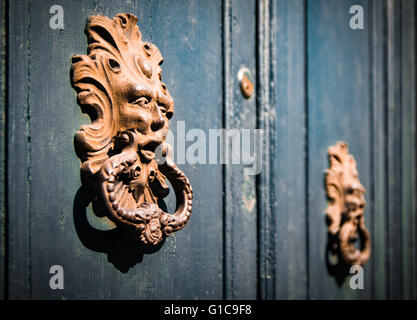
<point>331,83</point>
<point>54,223</point>
<point>262,236</point>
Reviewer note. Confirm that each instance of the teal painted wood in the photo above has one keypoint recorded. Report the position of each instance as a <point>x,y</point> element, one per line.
<point>338,109</point>
<point>291,249</point>
<point>317,82</point>
<point>189,265</point>
<point>19,144</point>
<point>240,251</point>
<point>3,146</point>
<point>266,121</point>
<point>394,150</point>
<point>193,70</point>
<point>370,132</point>
<point>409,147</point>
<point>378,187</point>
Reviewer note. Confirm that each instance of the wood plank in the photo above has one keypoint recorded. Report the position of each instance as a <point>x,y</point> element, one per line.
<point>3,134</point>
<point>19,145</point>
<point>338,109</point>
<point>394,151</point>
<point>193,73</point>
<point>189,265</point>
<point>267,204</point>
<point>378,188</point>
<point>240,249</point>
<point>409,152</point>
<point>291,249</point>
<point>266,121</point>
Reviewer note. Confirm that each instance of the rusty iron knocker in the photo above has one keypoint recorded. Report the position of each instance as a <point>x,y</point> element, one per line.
<point>119,86</point>
<point>345,210</point>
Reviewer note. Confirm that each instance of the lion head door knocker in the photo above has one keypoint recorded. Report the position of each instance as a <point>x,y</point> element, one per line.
<point>118,84</point>
<point>345,210</point>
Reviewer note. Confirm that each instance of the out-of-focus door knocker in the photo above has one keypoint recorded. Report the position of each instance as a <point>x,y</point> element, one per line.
<point>345,210</point>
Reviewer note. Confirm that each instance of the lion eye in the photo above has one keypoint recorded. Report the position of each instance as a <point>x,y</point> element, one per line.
<point>142,101</point>
<point>114,65</point>
<point>162,106</point>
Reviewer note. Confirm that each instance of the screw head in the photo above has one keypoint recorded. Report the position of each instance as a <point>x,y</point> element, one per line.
<point>246,82</point>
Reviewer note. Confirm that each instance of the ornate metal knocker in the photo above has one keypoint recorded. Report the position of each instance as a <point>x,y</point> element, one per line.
<point>345,210</point>
<point>119,86</point>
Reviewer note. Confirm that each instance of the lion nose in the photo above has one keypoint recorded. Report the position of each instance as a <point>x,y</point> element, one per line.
<point>158,120</point>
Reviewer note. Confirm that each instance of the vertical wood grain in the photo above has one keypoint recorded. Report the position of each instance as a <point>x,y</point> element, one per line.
<point>401,149</point>
<point>19,154</point>
<point>394,150</point>
<point>377,203</point>
<point>338,110</point>
<point>3,146</point>
<point>240,251</point>
<point>267,204</point>
<point>409,155</point>
<point>291,249</point>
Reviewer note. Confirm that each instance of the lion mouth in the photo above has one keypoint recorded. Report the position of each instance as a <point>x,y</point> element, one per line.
<point>149,147</point>
<point>149,155</point>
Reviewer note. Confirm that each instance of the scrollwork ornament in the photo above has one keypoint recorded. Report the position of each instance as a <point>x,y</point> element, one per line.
<point>345,210</point>
<point>119,85</point>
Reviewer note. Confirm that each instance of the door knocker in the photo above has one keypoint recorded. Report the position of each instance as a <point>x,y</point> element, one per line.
<point>345,210</point>
<point>118,84</point>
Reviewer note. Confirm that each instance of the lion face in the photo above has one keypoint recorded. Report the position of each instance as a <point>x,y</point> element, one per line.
<point>142,101</point>
<point>353,190</point>
<point>119,85</point>
<point>345,210</point>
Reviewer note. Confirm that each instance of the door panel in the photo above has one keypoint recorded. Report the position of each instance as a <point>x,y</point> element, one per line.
<point>3,148</point>
<point>18,156</point>
<point>324,82</point>
<point>189,265</point>
<point>339,110</point>
<point>291,212</point>
<point>240,189</point>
